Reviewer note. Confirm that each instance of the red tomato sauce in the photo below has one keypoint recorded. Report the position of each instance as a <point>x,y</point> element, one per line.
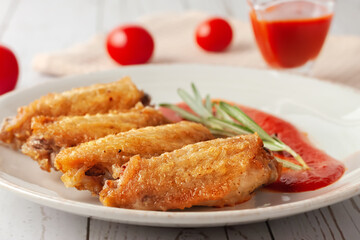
<point>289,34</point>
<point>324,170</point>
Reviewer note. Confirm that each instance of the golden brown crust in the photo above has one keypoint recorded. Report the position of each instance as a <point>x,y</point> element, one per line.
<point>213,173</point>
<point>50,134</point>
<point>98,98</point>
<point>79,162</point>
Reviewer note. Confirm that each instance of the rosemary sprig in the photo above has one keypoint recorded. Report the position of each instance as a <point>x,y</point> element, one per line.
<point>230,120</point>
<point>272,143</point>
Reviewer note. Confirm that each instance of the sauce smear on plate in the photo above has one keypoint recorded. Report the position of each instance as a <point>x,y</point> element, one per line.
<point>324,170</point>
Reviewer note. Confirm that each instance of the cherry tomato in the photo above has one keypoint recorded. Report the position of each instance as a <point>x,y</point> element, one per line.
<point>214,35</point>
<point>9,70</point>
<point>130,44</point>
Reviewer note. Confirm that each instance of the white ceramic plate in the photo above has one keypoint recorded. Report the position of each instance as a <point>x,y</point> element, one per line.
<point>329,113</point>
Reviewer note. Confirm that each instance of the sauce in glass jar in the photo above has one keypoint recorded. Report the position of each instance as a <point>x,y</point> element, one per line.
<point>291,33</point>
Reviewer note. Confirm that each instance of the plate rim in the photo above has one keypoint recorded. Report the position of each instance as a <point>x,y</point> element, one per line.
<point>206,218</point>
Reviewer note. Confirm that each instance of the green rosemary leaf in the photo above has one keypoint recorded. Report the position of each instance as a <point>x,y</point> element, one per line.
<point>271,146</point>
<point>208,103</point>
<point>221,114</point>
<point>288,164</point>
<point>196,106</point>
<point>245,120</point>
<point>196,93</point>
<point>183,113</point>
<point>296,156</point>
<point>221,133</point>
<point>230,126</point>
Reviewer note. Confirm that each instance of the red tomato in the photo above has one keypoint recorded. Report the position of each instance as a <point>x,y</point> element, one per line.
<point>130,44</point>
<point>214,35</point>
<point>9,70</point>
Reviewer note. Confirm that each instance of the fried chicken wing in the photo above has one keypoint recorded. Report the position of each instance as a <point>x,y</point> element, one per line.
<point>98,98</point>
<point>51,134</point>
<point>88,165</point>
<point>212,173</point>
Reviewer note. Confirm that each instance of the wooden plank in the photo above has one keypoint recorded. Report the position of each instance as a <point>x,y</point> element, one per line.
<point>346,216</point>
<point>325,223</point>
<point>107,230</point>
<point>257,231</point>
<point>340,221</point>
<point>22,219</point>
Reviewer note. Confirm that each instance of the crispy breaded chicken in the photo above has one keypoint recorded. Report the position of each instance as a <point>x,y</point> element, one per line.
<point>219,172</point>
<point>51,134</point>
<point>98,98</point>
<point>88,165</point>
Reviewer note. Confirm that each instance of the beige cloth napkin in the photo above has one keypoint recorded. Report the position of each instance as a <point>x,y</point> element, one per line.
<point>339,60</point>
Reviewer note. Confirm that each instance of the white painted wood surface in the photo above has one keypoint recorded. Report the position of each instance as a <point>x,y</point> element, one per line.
<point>33,26</point>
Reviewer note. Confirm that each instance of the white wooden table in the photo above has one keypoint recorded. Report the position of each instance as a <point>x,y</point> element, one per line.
<point>34,26</point>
